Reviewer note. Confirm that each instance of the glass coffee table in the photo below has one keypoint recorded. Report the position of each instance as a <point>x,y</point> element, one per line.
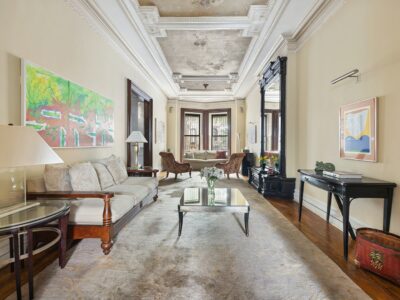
<point>197,199</point>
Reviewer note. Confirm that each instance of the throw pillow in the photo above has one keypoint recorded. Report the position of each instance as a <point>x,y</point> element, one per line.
<point>105,178</point>
<point>56,178</point>
<point>84,177</point>
<point>211,154</point>
<point>117,169</point>
<point>104,160</point>
<point>199,155</point>
<point>189,155</point>
<point>221,154</point>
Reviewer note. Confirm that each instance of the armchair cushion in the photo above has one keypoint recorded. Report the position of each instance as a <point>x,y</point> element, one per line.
<point>84,177</point>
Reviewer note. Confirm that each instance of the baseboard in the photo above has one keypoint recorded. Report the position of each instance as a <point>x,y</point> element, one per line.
<point>319,208</point>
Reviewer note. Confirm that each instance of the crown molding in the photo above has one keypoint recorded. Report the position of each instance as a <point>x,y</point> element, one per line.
<point>83,9</point>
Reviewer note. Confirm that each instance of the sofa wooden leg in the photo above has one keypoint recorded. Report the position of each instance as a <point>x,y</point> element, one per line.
<point>106,245</point>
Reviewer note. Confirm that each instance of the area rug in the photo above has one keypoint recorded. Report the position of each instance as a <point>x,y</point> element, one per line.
<point>213,259</point>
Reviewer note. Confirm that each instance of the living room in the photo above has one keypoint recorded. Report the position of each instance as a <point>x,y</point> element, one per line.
<point>179,145</point>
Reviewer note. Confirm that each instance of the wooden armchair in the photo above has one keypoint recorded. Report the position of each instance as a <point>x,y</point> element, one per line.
<point>232,165</point>
<point>171,165</point>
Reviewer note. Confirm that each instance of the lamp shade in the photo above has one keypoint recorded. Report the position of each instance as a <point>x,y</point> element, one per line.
<point>23,146</point>
<point>136,137</point>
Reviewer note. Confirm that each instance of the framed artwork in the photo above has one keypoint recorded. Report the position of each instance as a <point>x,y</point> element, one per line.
<point>64,113</point>
<point>358,128</point>
<point>252,133</point>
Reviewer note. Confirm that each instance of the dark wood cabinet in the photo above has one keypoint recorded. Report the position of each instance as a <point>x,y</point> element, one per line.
<point>248,161</point>
<point>272,185</point>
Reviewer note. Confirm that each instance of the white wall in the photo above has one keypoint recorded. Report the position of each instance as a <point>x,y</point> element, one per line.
<point>51,34</point>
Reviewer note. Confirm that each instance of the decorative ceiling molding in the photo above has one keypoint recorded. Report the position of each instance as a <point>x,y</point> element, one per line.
<point>251,24</point>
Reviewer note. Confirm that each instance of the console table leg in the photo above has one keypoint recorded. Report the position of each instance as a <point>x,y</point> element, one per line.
<point>346,211</point>
<point>340,205</point>
<point>17,264</point>
<point>30,262</point>
<point>301,198</point>
<point>328,209</point>
<point>387,211</point>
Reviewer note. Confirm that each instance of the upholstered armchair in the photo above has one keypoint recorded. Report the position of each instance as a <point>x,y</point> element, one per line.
<point>172,166</point>
<point>232,165</point>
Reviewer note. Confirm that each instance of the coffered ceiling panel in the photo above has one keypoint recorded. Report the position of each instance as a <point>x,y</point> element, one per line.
<point>204,52</point>
<point>197,8</point>
<point>205,85</point>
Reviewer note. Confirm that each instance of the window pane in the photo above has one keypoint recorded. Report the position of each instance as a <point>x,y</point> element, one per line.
<point>220,143</point>
<point>191,143</point>
<point>220,125</point>
<point>192,124</point>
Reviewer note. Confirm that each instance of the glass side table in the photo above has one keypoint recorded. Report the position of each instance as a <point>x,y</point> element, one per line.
<point>15,226</point>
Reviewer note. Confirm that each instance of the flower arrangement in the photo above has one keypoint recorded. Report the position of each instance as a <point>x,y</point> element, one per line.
<point>211,175</point>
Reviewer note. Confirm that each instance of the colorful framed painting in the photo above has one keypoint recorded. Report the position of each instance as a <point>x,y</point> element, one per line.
<point>64,113</point>
<point>358,128</point>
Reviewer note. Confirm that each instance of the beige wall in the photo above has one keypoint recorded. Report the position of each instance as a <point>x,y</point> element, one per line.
<point>253,106</point>
<point>49,33</point>
<point>238,118</point>
<point>362,34</point>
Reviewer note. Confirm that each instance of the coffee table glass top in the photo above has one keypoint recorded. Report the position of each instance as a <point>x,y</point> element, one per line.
<point>197,196</point>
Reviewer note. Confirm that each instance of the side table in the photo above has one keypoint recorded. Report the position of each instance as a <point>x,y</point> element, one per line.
<point>14,226</point>
<point>145,172</point>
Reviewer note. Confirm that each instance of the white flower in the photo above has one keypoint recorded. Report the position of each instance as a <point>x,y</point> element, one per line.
<point>212,172</point>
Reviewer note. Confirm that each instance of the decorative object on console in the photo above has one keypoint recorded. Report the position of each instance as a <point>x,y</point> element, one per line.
<point>320,166</point>
<point>358,128</point>
<point>23,147</point>
<point>342,175</point>
<point>136,137</point>
<point>65,114</point>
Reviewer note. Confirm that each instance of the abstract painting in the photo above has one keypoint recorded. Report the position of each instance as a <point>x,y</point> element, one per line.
<point>64,113</point>
<point>358,127</point>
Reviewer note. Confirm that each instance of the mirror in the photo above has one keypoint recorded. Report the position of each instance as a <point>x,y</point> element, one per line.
<point>273,92</point>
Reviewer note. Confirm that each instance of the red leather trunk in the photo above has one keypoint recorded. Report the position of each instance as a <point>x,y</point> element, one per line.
<point>378,252</point>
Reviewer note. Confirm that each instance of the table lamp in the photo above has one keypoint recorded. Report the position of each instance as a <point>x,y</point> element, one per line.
<point>21,147</point>
<point>136,137</point>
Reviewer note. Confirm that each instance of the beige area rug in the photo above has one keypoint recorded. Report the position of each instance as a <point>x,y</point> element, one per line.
<point>213,259</point>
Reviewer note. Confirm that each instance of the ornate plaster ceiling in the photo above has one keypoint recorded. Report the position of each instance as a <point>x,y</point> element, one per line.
<point>199,8</point>
<point>197,52</point>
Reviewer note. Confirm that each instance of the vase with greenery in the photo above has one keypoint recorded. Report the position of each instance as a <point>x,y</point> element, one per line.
<point>212,175</point>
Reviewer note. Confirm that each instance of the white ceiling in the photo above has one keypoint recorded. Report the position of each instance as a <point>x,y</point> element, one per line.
<point>184,44</point>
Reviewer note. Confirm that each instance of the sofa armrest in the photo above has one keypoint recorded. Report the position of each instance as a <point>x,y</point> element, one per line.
<point>106,196</point>
<point>68,195</point>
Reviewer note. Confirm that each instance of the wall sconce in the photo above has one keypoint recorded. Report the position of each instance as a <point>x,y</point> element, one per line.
<point>352,74</point>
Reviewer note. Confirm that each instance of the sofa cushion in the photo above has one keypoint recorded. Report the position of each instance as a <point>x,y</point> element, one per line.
<point>138,192</point>
<point>188,155</point>
<point>150,182</point>
<point>105,177</point>
<point>84,177</point>
<point>104,160</point>
<point>56,178</point>
<point>89,211</point>
<point>117,169</point>
<point>200,155</point>
<point>221,154</point>
<point>211,154</point>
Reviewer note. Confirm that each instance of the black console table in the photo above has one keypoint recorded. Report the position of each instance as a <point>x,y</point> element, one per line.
<point>272,185</point>
<point>345,191</point>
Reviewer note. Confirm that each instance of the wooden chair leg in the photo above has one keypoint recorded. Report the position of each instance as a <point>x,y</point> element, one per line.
<point>190,174</point>
<point>228,176</point>
<point>237,175</point>
<point>176,176</point>
<point>167,174</point>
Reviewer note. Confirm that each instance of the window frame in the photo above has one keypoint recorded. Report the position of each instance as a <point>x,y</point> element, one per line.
<point>193,114</point>
<point>211,134</point>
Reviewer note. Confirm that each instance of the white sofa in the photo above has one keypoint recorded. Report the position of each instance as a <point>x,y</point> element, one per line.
<point>204,158</point>
<point>103,197</point>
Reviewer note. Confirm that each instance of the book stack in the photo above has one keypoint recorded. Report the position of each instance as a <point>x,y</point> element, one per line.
<point>342,175</point>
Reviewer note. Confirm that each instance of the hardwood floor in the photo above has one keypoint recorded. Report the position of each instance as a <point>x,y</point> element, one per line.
<point>328,238</point>
<point>325,236</point>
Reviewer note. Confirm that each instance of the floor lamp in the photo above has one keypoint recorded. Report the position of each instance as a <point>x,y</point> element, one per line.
<point>21,147</point>
<point>136,137</point>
